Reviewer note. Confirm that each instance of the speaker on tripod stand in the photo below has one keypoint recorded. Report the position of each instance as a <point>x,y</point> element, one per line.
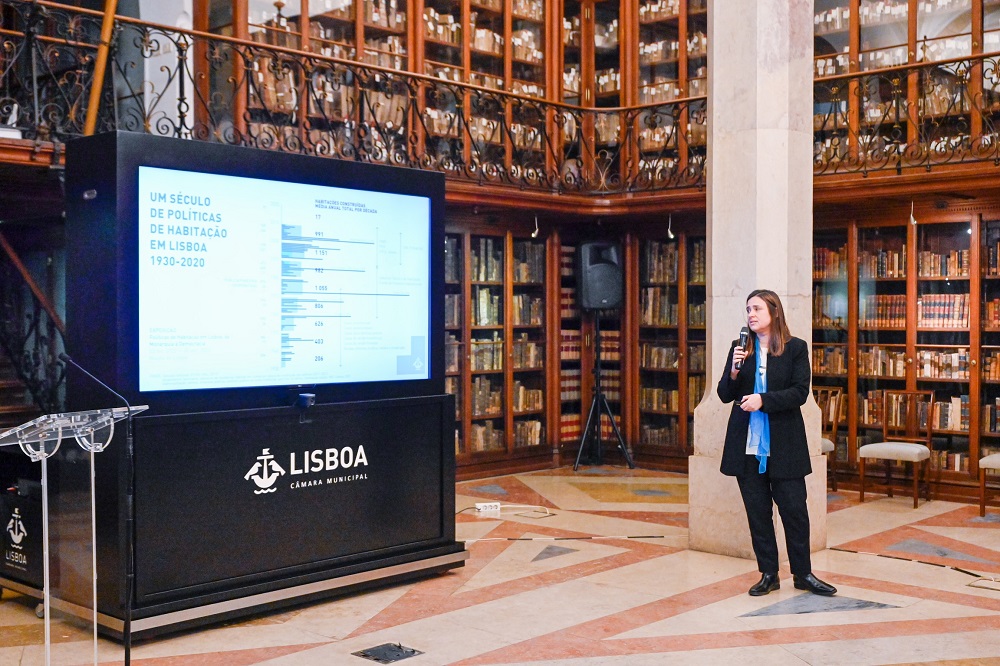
<point>600,285</point>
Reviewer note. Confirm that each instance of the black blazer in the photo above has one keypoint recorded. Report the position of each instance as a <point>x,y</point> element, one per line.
<point>788,378</point>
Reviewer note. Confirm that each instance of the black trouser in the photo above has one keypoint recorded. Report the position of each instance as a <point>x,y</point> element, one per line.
<point>759,491</point>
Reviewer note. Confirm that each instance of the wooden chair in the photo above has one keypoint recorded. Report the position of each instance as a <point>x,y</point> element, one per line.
<point>906,436</point>
<point>992,464</point>
<point>829,399</point>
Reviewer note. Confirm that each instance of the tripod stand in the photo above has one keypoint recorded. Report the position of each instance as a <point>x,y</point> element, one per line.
<point>599,405</point>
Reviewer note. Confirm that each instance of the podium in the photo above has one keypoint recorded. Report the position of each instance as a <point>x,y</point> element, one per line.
<point>39,440</point>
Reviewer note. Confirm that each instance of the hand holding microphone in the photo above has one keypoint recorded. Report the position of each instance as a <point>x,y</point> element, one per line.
<point>740,352</point>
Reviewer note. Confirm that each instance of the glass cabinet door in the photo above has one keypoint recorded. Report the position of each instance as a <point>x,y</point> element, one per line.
<point>570,347</point>
<point>990,339</point>
<point>486,345</point>
<point>528,354</point>
<point>881,360</point>
<point>331,28</point>
<point>942,345</point>
<point>659,51</point>
<point>694,368</point>
<point>275,23</point>
<point>454,330</point>
<point>527,47</point>
<point>830,320</point>
<point>659,347</point>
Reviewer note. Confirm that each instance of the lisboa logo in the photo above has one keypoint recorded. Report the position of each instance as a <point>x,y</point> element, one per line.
<point>15,528</point>
<point>265,472</point>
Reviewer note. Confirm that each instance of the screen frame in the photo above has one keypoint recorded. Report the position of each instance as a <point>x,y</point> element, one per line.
<point>102,264</point>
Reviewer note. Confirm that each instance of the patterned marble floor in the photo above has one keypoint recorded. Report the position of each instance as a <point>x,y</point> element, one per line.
<point>591,568</point>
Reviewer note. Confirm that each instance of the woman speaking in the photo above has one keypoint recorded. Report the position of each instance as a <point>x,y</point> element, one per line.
<point>767,380</point>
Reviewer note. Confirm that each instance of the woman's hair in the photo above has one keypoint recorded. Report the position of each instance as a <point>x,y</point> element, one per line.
<point>779,334</point>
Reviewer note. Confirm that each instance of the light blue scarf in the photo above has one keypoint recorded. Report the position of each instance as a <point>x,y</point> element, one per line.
<point>760,426</point>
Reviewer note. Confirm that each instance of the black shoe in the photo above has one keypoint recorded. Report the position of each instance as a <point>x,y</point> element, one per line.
<point>814,585</point>
<point>768,583</point>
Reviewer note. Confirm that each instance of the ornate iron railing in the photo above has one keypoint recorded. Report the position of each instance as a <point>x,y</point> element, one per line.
<point>192,85</point>
<point>30,336</point>
<point>915,117</point>
<point>179,83</point>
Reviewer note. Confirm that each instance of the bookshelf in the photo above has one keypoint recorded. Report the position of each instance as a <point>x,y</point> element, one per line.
<point>570,352</point>
<point>497,335</point>
<point>942,348</point>
<point>989,375</point>
<point>915,315</point>
<point>831,313</point>
<point>454,323</point>
<point>669,346</point>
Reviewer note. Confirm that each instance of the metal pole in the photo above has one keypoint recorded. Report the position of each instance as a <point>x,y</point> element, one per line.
<point>94,103</point>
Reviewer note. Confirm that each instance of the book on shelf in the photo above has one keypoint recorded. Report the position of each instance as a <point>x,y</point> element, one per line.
<point>830,360</point>
<point>527,399</point>
<point>829,263</point>
<point>569,427</point>
<point>452,259</point>
<point>569,345</point>
<point>567,303</point>
<point>882,263</point>
<point>487,306</point>
<point>529,262</point>
<point>528,310</point>
<point>569,384</point>
<point>943,364</point>
<point>943,310</point>
<point>880,362</point>
<point>487,354</point>
<point>952,264</point>
<point>659,356</point>
<point>487,398</point>
<point>528,433</point>
<point>485,437</point>
<point>951,414</point>
<point>567,254</point>
<point>660,262</point>
<point>696,264</point>
<point>527,353</point>
<point>656,307</point>
<point>883,311</point>
<point>665,435</point>
<point>452,353</point>
<point>487,260</point>
<point>991,365</point>
<point>452,310</point>
<point>659,399</point>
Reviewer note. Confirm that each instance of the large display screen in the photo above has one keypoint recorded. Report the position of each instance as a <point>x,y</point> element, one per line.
<point>247,282</point>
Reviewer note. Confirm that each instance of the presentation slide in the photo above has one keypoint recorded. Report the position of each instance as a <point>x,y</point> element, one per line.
<point>247,282</point>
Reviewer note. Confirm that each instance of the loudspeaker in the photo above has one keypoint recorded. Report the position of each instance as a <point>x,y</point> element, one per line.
<point>599,275</point>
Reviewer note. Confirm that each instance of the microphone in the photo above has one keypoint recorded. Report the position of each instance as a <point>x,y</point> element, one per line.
<point>744,338</point>
<point>64,357</point>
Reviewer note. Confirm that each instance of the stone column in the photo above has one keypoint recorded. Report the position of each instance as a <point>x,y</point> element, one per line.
<point>759,232</point>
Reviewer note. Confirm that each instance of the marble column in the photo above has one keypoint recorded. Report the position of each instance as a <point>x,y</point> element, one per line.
<point>759,232</point>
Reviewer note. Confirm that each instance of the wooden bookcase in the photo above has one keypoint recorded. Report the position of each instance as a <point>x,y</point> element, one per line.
<point>497,339</point>
<point>669,343</point>
<point>880,37</point>
<point>917,313</point>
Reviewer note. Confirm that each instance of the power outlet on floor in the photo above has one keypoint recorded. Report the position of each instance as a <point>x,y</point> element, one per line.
<point>488,507</point>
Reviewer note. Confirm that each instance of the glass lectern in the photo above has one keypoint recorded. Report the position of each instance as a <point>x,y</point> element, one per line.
<point>39,440</point>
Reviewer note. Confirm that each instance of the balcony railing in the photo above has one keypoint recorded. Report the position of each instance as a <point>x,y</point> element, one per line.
<point>190,85</point>
<point>901,119</point>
